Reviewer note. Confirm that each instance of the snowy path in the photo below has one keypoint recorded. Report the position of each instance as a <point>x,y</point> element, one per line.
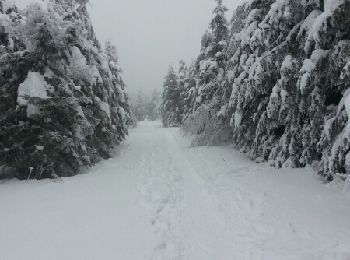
<point>158,199</point>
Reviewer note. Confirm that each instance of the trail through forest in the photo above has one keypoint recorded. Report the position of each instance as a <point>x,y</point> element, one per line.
<point>160,199</point>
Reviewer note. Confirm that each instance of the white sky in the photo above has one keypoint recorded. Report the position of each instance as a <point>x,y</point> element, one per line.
<point>151,34</point>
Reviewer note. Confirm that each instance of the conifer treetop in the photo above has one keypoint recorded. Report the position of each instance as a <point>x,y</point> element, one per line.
<point>220,9</point>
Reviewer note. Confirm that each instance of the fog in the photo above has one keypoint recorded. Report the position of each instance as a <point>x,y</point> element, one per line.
<point>152,34</point>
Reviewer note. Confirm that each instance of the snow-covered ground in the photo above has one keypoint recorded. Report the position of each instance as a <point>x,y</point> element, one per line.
<point>159,199</point>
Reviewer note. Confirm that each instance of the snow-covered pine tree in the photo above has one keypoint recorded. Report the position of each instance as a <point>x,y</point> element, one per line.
<point>246,78</point>
<point>207,123</point>
<point>67,112</point>
<point>138,107</point>
<point>188,92</point>
<point>119,96</point>
<point>284,84</point>
<point>12,62</point>
<point>282,87</point>
<point>146,107</point>
<point>262,116</point>
<point>153,106</point>
<point>182,78</point>
<point>171,100</point>
<point>212,59</point>
<point>328,41</point>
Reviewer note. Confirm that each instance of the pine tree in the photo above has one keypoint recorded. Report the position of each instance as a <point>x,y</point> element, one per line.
<point>146,107</point>
<point>182,78</point>
<point>283,86</point>
<point>212,60</point>
<point>153,107</point>
<point>119,97</point>
<point>188,91</point>
<point>68,110</point>
<point>171,100</point>
<point>280,85</point>
<point>138,107</point>
<point>207,122</point>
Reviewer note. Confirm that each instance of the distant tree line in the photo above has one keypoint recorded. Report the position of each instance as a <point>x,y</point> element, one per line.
<point>144,107</point>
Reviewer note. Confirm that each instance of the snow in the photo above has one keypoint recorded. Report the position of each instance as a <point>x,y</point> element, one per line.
<point>158,199</point>
<point>6,4</point>
<point>33,86</point>
<point>222,43</point>
<point>287,64</point>
<point>40,148</point>
<point>347,104</point>
<point>346,70</point>
<point>32,110</point>
<point>316,24</point>
<point>309,65</point>
<point>208,65</point>
<point>238,119</point>
<point>80,68</point>
<point>331,5</point>
<point>49,73</point>
<point>307,24</point>
<point>306,70</point>
<point>24,3</point>
<point>106,108</point>
<point>255,71</point>
<point>122,113</point>
<point>4,19</point>
<point>277,11</point>
<point>318,55</point>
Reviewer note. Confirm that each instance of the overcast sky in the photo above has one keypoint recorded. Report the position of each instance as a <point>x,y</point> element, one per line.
<point>151,34</point>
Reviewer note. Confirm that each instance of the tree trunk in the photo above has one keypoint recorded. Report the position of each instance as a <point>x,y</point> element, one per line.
<point>322,5</point>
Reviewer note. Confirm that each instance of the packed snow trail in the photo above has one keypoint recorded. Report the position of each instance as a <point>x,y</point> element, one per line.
<point>159,199</point>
